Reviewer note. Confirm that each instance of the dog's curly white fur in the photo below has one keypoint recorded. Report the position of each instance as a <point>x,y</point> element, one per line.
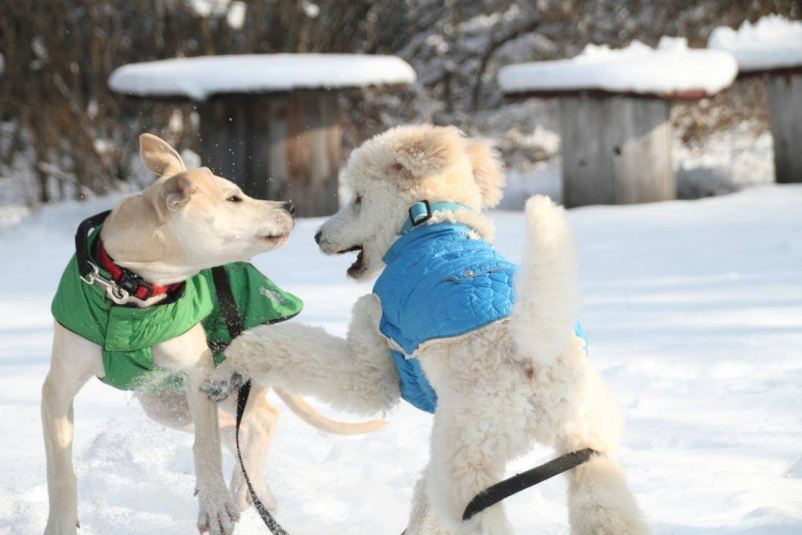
<point>499,388</point>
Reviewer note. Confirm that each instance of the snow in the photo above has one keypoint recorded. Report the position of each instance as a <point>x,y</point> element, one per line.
<point>773,42</point>
<point>692,311</point>
<point>235,18</point>
<point>200,77</point>
<point>728,160</point>
<point>669,69</point>
<point>208,8</point>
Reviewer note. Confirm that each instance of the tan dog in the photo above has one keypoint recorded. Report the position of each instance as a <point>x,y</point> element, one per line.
<point>185,222</point>
<point>519,380</point>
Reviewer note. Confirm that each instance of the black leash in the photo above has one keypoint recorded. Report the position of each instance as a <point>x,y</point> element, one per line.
<point>235,327</point>
<point>504,489</point>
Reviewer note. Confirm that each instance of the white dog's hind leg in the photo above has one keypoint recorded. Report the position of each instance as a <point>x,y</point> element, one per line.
<point>468,454</point>
<point>74,361</point>
<point>600,502</point>
<point>599,499</point>
<point>541,325</point>
<point>421,518</point>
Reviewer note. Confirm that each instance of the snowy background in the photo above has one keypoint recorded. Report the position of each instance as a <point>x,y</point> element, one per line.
<point>692,311</point>
<point>692,308</point>
<point>65,135</point>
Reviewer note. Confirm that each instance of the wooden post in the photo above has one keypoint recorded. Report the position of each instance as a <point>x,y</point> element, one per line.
<point>785,92</point>
<point>616,150</point>
<point>282,146</point>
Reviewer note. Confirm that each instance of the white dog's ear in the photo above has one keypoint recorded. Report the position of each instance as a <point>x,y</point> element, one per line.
<point>421,152</point>
<point>488,170</point>
<point>175,192</point>
<point>159,157</point>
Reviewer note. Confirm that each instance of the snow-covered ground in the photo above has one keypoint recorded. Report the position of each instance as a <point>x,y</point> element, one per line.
<point>693,311</point>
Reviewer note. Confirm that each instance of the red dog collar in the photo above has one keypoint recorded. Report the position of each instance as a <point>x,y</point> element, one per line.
<point>129,281</point>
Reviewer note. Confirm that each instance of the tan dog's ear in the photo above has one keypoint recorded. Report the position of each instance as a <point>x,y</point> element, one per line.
<point>175,192</point>
<point>488,171</point>
<point>428,151</point>
<point>159,157</point>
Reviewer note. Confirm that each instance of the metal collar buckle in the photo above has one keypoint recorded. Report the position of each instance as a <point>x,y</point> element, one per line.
<point>117,294</point>
<point>131,283</point>
<point>417,215</point>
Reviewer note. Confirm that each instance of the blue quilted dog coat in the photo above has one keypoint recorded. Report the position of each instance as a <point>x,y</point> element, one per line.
<point>439,283</point>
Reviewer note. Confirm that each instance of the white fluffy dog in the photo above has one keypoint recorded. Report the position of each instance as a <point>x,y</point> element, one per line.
<point>500,388</point>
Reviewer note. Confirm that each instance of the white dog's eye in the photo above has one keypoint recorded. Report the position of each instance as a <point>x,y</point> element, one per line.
<point>358,200</point>
<point>234,198</point>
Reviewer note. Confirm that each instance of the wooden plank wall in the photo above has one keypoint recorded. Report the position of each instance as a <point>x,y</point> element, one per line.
<point>616,150</point>
<point>785,93</point>
<point>279,147</point>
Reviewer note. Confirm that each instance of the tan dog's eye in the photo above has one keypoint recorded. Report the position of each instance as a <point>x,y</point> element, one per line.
<point>234,198</point>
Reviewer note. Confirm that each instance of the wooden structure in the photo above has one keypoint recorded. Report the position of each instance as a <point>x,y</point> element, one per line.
<point>771,48</point>
<point>785,94</point>
<point>284,146</point>
<point>268,122</point>
<point>615,109</point>
<point>616,147</point>
<point>616,150</point>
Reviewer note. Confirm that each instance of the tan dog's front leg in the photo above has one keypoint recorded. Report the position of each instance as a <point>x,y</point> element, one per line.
<point>190,355</point>
<point>217,511</point>
<point>74,361</point>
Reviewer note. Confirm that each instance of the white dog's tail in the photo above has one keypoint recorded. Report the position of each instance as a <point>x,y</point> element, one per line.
<point>308,414</point>
<point>543,317</point>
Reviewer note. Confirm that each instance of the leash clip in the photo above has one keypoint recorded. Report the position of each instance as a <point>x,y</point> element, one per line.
<point>117,294</point>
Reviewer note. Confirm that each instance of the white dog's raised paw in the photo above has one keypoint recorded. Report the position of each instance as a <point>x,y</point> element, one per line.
<point>218,387</point>
<point>218,513</point>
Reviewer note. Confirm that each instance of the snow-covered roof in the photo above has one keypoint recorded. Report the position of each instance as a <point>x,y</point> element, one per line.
<point>670,70</point>
<point>771,43</point>
<point>200,77</point>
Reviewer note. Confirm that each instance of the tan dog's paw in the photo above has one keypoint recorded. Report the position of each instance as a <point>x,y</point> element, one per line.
<point>218,514</point>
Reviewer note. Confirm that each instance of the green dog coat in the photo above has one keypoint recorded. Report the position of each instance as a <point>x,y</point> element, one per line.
<point>127,333</point>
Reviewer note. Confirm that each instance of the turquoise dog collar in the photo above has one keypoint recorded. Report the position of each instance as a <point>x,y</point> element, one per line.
<point>420,212</point>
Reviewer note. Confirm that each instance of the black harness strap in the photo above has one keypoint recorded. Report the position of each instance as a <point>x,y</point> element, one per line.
<point>80,241</point>
<point>235,327</point>
<point>517,483</point>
